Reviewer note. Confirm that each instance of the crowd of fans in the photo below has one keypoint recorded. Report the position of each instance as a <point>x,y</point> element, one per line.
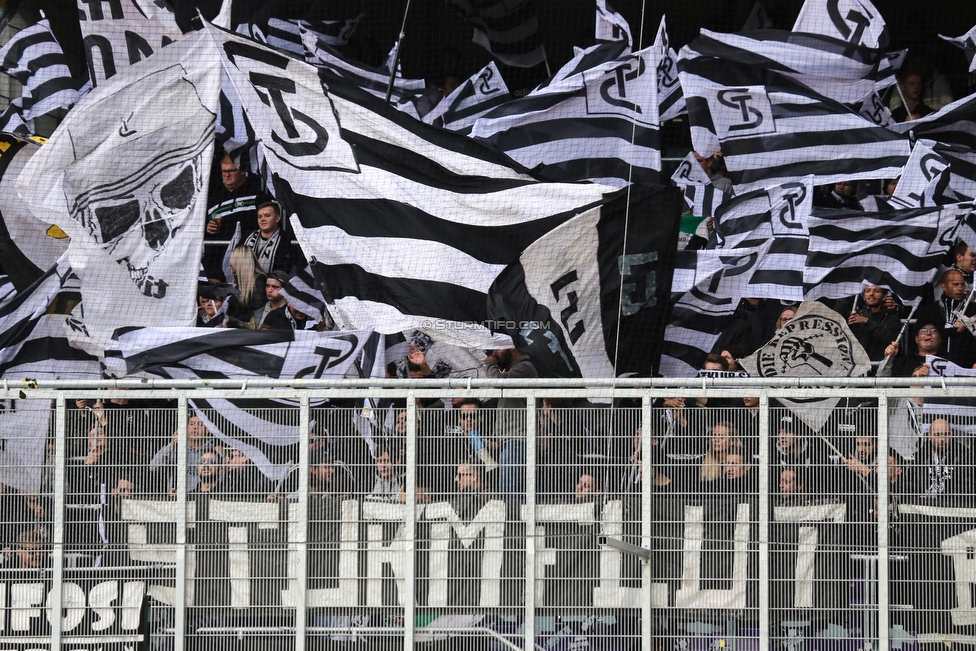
<point>123,448</point>
<point>700,449</point>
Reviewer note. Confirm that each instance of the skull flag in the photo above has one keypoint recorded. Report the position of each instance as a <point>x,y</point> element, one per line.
<point>125,176</point>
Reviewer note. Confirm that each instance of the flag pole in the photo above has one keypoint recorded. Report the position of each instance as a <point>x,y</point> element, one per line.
<point>901,333</point>
<point>396,55</point>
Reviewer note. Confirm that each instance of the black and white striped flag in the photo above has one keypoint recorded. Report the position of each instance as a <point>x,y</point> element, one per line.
<point>373,80</point>
<point>773,224</point>
<point>265,431</point>
<point>414,239</point>
<point>757,250</point>
<point>479,94</point>
<point>967,43</point>
<point>583,305</point>
<point>592,60</point>
<point>857,22</point>
<point>611,26</point>
<point>33,346</point>
<point>12,119</point>
<point>302,292</point>
<point>701,196</point>
<point>945,405</point>
<point>701,314</point>
<point>33,341</point>
<point>287,34</point>
<point>924,181</point>
<point>900,250</point>
<point>825,70</point>
<point>600,125</point>
<point>704,200</point>
<point>773,129</point>
<point>229,353</point>
<point>962,169</point>
<point>508,29</point>
<point>233,130</point>
<point>670,97</point>
<point>34,57</point>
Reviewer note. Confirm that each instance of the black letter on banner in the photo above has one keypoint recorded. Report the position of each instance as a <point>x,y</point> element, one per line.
<point>95,9</point>
<point>276,86</point>
<point>104,47</point>
<point>138,47</point>
<point>638,276</point>
<point>576,331</point>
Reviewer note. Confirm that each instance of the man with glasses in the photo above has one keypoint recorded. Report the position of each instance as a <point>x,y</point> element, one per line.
<point>928,340</point>
<point>232,201</point>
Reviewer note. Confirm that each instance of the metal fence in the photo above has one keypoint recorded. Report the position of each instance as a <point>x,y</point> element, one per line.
<point>746,516</point>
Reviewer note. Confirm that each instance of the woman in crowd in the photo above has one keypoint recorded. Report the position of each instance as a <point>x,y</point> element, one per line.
<point>249,282</point>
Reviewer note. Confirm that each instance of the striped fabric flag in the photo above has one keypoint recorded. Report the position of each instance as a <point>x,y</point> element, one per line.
<point>287,34</point>
<point>373,80</point>
<point>941,406</point>
<point>586,299</point>
<point>34,57</point>
<point>233,130</point>
<point>773,224</point>
<point>599,125</point>
<point>701,314</point>
<point>415,237</point>
<point>12,119</point>
<point>412,228</point>
<point>757,250</point>
<point>773,129</point>
<point>610,25</point>
<point>900,250</point>
<point>508,29</point>
<point>592,60</point>
<point>228,353</point>
<point>670,97</point>
<point>924,180</point>
<point>33,342</point>
<point>266,431</point>
<point>704,200</point>
<point>826,66</point>
<point>967,43</point>
<point>857,22</point>
<point>302,292</point>
<point>701,197</point>
<point>479,94</point>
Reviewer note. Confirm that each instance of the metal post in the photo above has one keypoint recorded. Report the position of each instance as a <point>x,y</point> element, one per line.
<point>301,526</point>
<point>55,604</point>
<point>410,526</point>
<point>530,432</point>
<point>882,574</point>
<point>179,621</point>
<point>647,577</point>
<point>396,53</point>
<point>764,514</point>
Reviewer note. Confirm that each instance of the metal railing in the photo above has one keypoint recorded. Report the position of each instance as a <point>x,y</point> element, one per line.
<point>563,540</point>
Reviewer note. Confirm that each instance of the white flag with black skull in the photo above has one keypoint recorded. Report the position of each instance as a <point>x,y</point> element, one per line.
<point>125,176</point>
<point>814,343</point>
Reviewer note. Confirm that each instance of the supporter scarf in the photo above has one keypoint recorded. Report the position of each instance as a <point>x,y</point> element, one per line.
<point>267,256</point>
